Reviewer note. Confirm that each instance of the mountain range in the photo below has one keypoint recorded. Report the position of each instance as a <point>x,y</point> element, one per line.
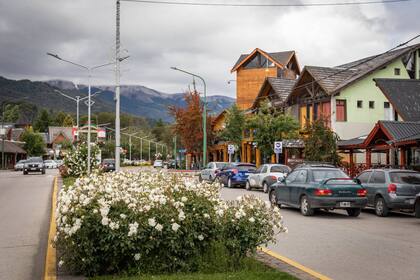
<point>135,99</point>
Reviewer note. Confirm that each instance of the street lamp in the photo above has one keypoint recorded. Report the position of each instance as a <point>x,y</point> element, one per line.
<point>141,144</point>
<point>77,100</point>
<point>204,112</point>
<point>129,140</point>
<point>89,69</point>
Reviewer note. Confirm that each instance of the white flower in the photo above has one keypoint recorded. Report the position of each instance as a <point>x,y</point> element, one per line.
<point>251,219</point>
<point>159,227</point>
<point>184,199</point>
<point>123,216</point>
<point>152,222</point>
<point>60,263</point>
<point>137,256</point>
<point>200,237</point>
<point>181,215</point>
<point>206,216</point>
<point>133,228</point>
<point>175,226</point>
<point>105,221</point>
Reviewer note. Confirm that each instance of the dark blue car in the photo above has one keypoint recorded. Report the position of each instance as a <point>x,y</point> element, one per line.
<point>235,174</point>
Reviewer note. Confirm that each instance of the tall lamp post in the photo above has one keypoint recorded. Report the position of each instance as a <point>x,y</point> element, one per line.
<point>89,69</point>
<point>129,141</point>
<point>141,144</point>
<point>77,100</point>
<point>204,112</point>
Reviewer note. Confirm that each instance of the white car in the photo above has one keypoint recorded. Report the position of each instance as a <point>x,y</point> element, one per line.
<point>209,173</point>
<point>50,164</point>
<point>19,165</point>
<point>266,175</point>
<point>59,162</point>
<point>158,163</point>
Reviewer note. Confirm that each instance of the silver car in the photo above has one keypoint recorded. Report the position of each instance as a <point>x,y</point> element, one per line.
<point>50,164</point>
<point>266,175</point>
<point>391,189</point>
<point>19,165</point>
<point>209,173</point>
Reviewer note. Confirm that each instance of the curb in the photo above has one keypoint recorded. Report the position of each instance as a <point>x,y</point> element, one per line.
<point>295,264</point>
<point>50,271</point>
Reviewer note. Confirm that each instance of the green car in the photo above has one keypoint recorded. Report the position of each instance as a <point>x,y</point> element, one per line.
<point>311,187</point>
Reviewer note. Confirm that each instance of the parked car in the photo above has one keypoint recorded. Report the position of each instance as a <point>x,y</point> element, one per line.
<point>34,164</point>
<point>108,165</point>
<point>59,162</point>
<point>417,206</point>
<point>173,164</point>
<point>266,175</point>
<point>312,187</point>
<point>50,164</point>
<point>209,173</point>
<point>235,174</point>
<point>19,165</point>
<point>158,163</point>
<point>390,189</point>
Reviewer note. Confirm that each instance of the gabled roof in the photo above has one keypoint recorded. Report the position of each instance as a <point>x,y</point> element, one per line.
<point>281,87</point>
<point>279,58</point>
<point>335,79</point>
<point>54,131</point>
<point>404,95</point>
<point>401,131</point>
<point>12,147</point>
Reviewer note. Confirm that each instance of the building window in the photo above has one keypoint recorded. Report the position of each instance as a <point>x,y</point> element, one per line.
<point>386,105</point>
<point>359,104</point>
<point>341,112</point>
<point>371,104</point>
<point>397,71</point>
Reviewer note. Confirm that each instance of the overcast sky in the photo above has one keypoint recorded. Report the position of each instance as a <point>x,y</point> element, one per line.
<point>204,40</point>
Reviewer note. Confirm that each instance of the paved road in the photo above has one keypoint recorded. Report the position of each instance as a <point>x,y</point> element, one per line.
<point>344,248</point>
<point>25,203</point>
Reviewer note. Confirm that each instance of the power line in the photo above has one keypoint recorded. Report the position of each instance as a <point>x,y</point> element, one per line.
<point>181,3</point>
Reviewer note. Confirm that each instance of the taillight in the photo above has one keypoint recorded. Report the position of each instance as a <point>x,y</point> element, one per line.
<point>362,192</point>
<point>323,192</point>
<point>235,171</point>
<point>216,171</point>
<point>392,188</point>
<point>273,178</point>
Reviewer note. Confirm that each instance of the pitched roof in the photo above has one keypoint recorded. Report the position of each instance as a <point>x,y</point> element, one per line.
<point>402,131</point>
<point>335,79</point>
<point>13,148</point>
<point>281,58</point>
<point>404,95</point>
<point>281,87</point>
<point>54,131</point>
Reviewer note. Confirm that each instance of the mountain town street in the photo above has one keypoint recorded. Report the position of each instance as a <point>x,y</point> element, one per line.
<point>25,204</point>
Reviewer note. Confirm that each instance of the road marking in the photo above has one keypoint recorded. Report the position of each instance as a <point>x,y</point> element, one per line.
<point>50,270</point>
<point>295,264</point>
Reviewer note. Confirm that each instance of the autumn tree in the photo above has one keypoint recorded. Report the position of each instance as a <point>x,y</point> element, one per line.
<point>270,125</point>
<point>321,143</point>
<point>189,123</point>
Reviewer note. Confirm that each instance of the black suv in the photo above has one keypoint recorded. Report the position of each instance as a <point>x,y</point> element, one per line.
<point>34,164</point>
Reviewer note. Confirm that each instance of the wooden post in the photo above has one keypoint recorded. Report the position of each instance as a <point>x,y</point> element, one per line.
<point>351,163</point>
<point>285,151</point>
<point>248,153</point>
<point>257,157</point>
<point>225,154</point>
<point>273,158</point>
<point>387,157</point>
<point>368,158</point>
<point>403,157</point>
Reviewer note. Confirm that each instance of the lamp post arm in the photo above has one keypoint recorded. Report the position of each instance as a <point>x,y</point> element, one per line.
<point>65,95</point>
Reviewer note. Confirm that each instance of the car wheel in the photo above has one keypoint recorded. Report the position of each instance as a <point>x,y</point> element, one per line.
<point>248,186</point>
<point>354,212</point>
<point>265,187</point>
<point>272,198</point>
<point>43,172</point>
<point>229,183</point>
<point>200,179</point>
<point>25,173</point>
<point>211,179</point>
<point>417,208</point>
<point>305,207</point>
<point>381,209</point>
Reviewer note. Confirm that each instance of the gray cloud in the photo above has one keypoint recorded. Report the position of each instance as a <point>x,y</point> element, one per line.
<point>205,40</point>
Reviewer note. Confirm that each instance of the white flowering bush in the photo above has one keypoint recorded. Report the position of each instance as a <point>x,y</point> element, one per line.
<point>154,223</point>
<point>75,162</point>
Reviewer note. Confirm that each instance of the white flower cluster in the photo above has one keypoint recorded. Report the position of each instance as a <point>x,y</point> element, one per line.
<point>75,161</point>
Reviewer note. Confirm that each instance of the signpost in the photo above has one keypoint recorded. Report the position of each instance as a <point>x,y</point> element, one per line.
<point>231,151</point>
<point>278,149</point>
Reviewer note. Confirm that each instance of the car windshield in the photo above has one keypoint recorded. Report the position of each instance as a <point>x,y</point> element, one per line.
<point>220,165</point>
<point>405,177</point>
<point>246,168</point>
<point>279,168</point>
<point>48,161</point>
<point>22,161</point>
<point>323,174</point>
<point>35,159</point>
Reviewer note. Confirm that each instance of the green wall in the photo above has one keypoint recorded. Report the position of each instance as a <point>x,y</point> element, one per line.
<point>366,90</point>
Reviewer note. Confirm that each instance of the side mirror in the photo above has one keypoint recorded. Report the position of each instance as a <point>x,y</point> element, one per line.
<point>357,181</point>
<point>283,180</point>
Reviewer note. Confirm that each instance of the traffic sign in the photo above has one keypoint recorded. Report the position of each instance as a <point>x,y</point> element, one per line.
<point>278,147</point>
<point>231,149</point>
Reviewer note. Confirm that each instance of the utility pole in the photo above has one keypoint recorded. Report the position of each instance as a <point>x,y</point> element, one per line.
<point>175,150</point>
<point>117,90</point>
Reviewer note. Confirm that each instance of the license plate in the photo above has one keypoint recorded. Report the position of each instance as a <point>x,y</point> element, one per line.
<point>345,204</point>
<point>33,168</point>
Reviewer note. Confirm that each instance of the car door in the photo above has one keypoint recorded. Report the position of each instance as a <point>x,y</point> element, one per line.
<point>377,185</point>
<point>283,189</point>
<point>364,180</point>
<point>206,172</point>
<point>298,185</point>
<point>253,177</point>
<point>261,175</point>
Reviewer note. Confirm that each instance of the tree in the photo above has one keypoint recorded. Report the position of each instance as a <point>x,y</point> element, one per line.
<point>34,144</point>
<point>67,121</point>
<point>42,121</point>
<point>234,126</point>
<point>11,112</point>
<point>269,126</point>
<point>188,123</point>
<point>321,143</point>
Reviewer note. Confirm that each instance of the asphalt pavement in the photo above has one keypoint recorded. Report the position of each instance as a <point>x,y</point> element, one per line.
<point>344,248</point>
<point>25,202</point>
